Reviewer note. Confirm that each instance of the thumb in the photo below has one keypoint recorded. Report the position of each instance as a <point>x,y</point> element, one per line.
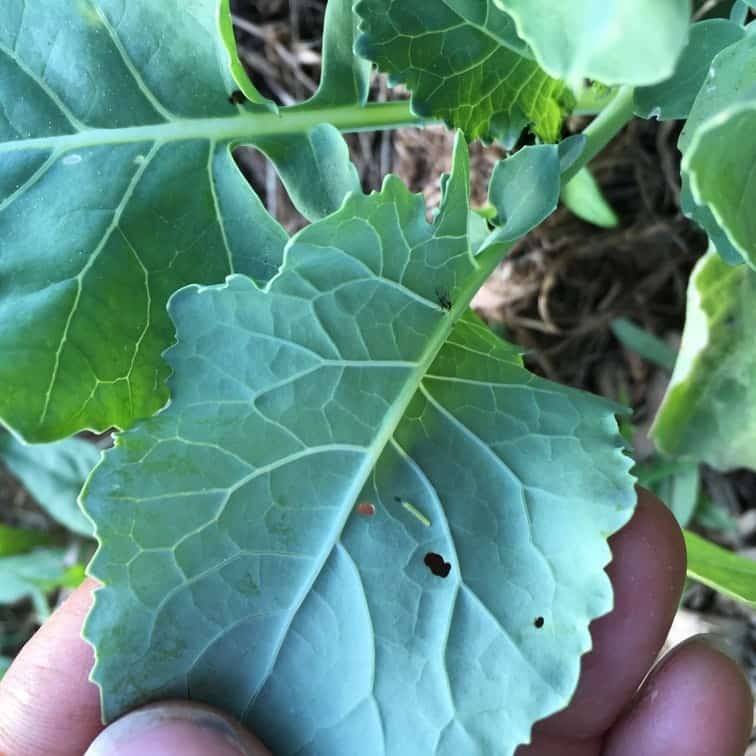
<point>167,729</point>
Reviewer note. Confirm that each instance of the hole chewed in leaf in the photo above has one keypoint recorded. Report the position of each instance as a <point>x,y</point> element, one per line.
<point>437,564</point>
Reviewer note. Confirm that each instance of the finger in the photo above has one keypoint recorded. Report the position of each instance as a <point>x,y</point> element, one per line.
<point>172,728</point>
<point>548,745</point>
<point>647,573</point>
<point>47,704</point>
<point>695,703</point>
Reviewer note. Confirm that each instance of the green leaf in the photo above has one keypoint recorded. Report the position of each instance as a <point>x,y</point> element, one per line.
<point>680,492</point>
<point>633,42</point>
<point>315,169</point>
<point>720,167</point>
<point>345,77</point>
<point>524,190</point>
<point>644,343</point>
<point>674,97</point>
<point>117,181</point>
<point>676,482</point>
<point>238,72</point>
<point>315,166</point>
<point>32,576</point>
<point>570,149</point>
<point>719,150</point>
<point>54,475</point>
<point>582,195</point>
<point>463,62</point>
<point>19,540</point>
<point>728,573</point>
<point>739,12</point>
<point>5,663</point>
<point>360,526</point>
<point>709,412</point>
<point>714,516</point>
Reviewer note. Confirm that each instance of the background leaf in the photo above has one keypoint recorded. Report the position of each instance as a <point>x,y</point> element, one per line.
<point>463,62</point>
<point>315,166</point>
<point>674,97</point>
<point>739,12</point>
<point>720,166</point>
<point>677,483</point>
<point>644,343</point>
<point>375,502</point>
<point>719,128</point>
<point>524,191</point>
<point>235,65</point>
<point>582,195</point>
<point>345,77</point>
<point>709,412</point>
<point>616,41</point>
<point>32,576</point>
<point>54,474</point>
<point>720,569</point>
<point>19,540</point>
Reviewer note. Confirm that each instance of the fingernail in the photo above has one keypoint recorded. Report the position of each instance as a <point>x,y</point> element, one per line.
<point>174,728</point>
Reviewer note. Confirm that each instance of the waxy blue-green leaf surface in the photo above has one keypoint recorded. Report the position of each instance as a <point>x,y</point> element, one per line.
<point>719,153</point>
<point>614,41</point>
<point>463,62</point>
<point>360,526</point>
<point>709,412</point>
<point>524,190</point>
<point>739,11</point>
<point>345,77</point>
<point>117,187</point>
<point>54,474</point>
<point>315,166</point>
<point>674,97</point>
<point>720,168</point>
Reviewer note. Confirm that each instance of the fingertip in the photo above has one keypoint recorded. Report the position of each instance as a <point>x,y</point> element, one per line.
<point>647,573</point>
<point>47,703</point>
<point>176,727</point>
<point>696,702</point>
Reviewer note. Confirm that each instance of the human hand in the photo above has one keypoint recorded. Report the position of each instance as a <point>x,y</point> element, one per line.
<point>695,702</point>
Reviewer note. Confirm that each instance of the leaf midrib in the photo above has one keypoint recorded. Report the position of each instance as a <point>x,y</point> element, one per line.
<point>485,30</point>
<point>241,127</point>
<point>484,266</point>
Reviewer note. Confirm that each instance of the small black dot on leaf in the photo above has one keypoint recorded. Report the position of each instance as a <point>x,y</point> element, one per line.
<point>538,622</point>
<point>437,564</point>
<point>444,302</point>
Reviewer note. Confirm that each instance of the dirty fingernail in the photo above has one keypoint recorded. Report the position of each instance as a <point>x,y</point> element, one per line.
<point>175,728</point>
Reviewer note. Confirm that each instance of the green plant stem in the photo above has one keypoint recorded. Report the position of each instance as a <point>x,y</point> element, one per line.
<point>375,116</point>
<point>603,129</point>
<point>241,128</point>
